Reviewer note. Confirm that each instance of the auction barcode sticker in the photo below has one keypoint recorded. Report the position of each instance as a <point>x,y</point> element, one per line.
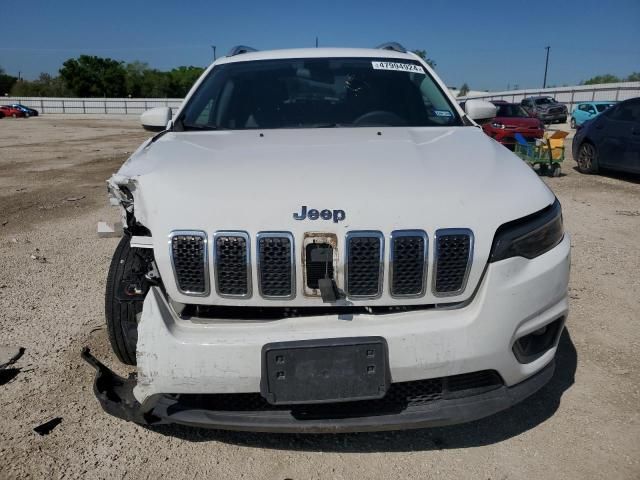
<point>399,67</point>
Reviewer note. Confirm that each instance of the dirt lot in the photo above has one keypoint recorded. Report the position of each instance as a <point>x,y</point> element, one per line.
<point>584,424</point>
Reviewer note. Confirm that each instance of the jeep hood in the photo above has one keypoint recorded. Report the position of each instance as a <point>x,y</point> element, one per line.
<point>384,179</point>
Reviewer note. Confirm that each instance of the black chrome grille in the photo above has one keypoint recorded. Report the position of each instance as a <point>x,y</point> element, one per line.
<point>452,260</point>
<point>363,264</point>
<point>276,265</point>
<point>189,257</point>
<point>408,263</point>
<point>232,264</point>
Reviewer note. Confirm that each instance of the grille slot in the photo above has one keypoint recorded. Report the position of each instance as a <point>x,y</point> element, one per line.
<point>453,255</point>
<point>408,263</point>
<point>317,269</point>
<point>363,264</point>
<point>189,260</point>
<point>232,264</point>
<point>276,265</point>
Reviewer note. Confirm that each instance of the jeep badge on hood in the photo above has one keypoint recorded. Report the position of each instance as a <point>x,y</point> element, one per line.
<point>313,214</point>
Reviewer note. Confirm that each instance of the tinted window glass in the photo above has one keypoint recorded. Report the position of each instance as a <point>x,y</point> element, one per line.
<point>307,93</point>
<point>511,110</point>
<point>601,107</point>
<point>627,112</point>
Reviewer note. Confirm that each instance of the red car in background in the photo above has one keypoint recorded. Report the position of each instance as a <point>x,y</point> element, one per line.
<point>510,119</point>
<point>11,111</point>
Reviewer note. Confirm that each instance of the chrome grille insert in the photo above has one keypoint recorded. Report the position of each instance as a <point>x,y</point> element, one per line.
<point>408,263</point>
<point>188,253</point>
<point>276,265</point>
<point>363,266</point>
<point>453,255</point>
<point>232,263</point>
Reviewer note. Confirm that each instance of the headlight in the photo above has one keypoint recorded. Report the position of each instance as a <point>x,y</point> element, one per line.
<point>529,237</point>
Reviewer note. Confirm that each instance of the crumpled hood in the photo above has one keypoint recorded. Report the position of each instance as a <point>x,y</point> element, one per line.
<point>382,178</point>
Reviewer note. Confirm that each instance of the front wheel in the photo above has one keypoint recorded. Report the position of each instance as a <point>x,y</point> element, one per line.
<point>126,288</point>
<point>573,123</point>
<point>587,158</point>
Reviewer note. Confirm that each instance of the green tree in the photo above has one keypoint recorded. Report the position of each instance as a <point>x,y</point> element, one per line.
<point>634,77</point>
<point>6,82</point>
<point>91,76</point>
<point>44,86</point>
<point>182,79</point>
<point>464,89</point>
<point>606,78</point>
<point>423,54</point>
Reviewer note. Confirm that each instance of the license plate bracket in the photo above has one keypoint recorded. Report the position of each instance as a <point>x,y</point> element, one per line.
<point>325,370</point>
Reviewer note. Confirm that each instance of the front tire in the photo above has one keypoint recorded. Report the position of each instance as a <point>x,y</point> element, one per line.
<point>573,123</point>
<point>587,158</point>
<point>124,296</point>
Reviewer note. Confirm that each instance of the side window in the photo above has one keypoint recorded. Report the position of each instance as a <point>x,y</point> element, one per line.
<point>626,112</point>
<point>590,109</point>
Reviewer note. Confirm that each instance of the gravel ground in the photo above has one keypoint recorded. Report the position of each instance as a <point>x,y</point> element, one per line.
<point>583,424</point>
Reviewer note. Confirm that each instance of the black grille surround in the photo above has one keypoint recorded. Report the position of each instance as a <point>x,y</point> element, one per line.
<point>276,265</point>
<point>400,396</point>
<point>232,264</point>
<point>453,255</point>
<point>188,251</point>
<point>408,263</point>
<point>364,259</point>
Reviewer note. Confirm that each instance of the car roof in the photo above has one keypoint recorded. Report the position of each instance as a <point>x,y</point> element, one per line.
<point>317,53</point>
<point>597,102</point>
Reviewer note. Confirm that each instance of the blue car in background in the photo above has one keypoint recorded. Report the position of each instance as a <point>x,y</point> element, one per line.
<point>28,112</point>
<point>610,141</point>
<point>587,110</point>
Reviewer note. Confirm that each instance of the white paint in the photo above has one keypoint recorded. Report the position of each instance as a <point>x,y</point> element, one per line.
<point>516,297</point>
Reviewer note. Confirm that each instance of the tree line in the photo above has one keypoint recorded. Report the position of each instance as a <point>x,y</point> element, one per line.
<point>91,76</point>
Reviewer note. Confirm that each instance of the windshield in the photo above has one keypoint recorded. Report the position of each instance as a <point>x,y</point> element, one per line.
<point>601,107</point>
<point>317,92</point>
<point>544,101</point>
<point>510,110</point>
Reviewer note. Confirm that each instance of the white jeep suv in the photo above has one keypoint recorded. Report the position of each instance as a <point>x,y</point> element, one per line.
<point>322,240</point>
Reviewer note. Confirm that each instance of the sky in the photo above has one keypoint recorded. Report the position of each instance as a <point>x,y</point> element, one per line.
<point>489,45</point>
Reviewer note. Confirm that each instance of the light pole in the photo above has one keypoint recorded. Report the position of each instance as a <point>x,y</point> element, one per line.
<point>546,65</point>
<point>214,52</point>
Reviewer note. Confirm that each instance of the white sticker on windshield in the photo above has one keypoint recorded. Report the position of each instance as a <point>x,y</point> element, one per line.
<point>443,113</point>
<point>399,67</point>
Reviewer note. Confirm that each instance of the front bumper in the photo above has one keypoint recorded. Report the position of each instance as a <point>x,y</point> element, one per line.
<point>116,397</point>
<point>552,117</point>
<point>178,357</point>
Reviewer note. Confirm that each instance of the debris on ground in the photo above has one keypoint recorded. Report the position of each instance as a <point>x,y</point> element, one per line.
<point>46,427</point>
<point>75,199</point>
<point>38,257</point>
<point>628,213</point>
<point>9,355</point>
<point>110,230</point>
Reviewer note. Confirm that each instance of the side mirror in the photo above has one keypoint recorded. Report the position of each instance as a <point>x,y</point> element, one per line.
<point>480,110</point>
<point>156,119</point>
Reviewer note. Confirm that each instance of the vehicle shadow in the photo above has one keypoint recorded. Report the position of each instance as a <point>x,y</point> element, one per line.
<point>497,428</point>
<point>622,176</point>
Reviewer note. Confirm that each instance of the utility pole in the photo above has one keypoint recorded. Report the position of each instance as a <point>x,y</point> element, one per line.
<point>546,65</point>
<point>214,52</point>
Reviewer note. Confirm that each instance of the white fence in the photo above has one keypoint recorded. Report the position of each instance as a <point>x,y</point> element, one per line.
<point>569,95</point>
<point>93,105</point>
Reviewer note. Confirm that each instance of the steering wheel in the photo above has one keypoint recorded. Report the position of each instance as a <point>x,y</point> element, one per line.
<point>380,117</point>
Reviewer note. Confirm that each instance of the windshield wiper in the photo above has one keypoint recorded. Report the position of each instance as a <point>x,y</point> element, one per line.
<point>201,127</point>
